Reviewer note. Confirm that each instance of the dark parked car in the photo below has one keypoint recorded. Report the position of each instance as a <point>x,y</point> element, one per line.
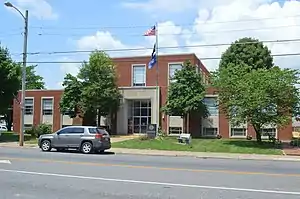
<point>86,139</point>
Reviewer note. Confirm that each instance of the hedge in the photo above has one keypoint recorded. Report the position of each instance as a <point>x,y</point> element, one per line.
<point>13,137</point>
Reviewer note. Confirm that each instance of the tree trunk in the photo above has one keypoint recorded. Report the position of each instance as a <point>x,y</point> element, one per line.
<point>258,133</point>
<point>9,120</point>
<point>113,121</point>
<point>188,123</point>
<point>98,118</point>
<point>89,118</point>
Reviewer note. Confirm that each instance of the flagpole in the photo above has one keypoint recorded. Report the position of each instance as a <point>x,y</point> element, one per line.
<point>157,77</point>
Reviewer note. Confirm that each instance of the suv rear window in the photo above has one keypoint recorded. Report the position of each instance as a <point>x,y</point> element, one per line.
<point>97,130</point>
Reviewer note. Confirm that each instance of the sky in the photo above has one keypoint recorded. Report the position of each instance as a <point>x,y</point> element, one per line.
<point>189,26</point>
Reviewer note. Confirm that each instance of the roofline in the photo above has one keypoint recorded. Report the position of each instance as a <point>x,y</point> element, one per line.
<point>146,56</point>
<point>41,90</point>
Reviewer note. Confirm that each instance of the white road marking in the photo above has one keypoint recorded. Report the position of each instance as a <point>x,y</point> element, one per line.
<point>153,183</point>
<point>5,162</point>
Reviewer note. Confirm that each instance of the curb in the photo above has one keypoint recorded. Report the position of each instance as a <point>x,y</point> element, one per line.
<point>232,157</point>
<point>282,158</point>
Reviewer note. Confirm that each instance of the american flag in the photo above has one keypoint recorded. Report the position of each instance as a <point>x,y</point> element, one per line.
<point>150,32</point>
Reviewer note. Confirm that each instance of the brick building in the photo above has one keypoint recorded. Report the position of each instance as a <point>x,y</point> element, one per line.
<point>141,103</point>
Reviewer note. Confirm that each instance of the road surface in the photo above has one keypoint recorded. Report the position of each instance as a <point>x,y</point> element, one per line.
<point>32,174</point>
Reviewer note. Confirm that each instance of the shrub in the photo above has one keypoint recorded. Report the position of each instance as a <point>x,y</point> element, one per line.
<point>41,129</point>
<point>12,137</point>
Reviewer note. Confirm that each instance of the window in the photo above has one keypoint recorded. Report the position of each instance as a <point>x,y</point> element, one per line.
<point>47,106</point>
<point>28,126</point>
<point>266,132</point>
<point>77,130</point>
<point>98,130</point>
<point>210,131</point>
<point>212,105</point>
<point>175,130</point>
<point>139,75</point>
<point>172,69</point>
<point>238,132</point>
<point>29,106</point>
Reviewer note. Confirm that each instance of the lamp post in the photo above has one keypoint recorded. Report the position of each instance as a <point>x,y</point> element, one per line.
<point>21,135</point>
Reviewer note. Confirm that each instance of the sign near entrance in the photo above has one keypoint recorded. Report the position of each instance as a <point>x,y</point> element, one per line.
<point>151,131</point>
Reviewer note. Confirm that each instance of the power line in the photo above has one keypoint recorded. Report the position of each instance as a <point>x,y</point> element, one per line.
<point>177,34</point>
<point>279,41</point>
<point>166,47</point>
<point>203,58</point>
<point>182,25</point>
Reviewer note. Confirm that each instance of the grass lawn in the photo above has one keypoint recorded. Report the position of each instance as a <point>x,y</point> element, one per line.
<point>32,141</point>
<point>202,145</point>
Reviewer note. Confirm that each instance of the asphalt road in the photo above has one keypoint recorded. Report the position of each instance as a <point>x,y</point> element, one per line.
<point>30,174</point>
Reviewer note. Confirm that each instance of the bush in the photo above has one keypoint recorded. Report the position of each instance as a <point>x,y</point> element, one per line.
<point>12,137</point>
<point>41,129</point>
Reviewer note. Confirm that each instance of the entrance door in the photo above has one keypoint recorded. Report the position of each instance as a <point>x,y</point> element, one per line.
<point>140,113</point>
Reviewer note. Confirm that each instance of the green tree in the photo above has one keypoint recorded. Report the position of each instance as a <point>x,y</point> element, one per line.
<point>33,81</point>
<point>11,75</point>
<point>71,99</point>
<point>186,94</point>
<point>253,90</point>
<point>94,88</point>
<point>9,80</point>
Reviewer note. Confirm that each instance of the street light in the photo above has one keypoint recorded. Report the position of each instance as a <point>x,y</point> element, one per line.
<point>21,136</point>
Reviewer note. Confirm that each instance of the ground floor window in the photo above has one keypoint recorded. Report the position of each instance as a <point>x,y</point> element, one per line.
<point>238,132</point>
<point>266,132</point>
<point>28,126</point>
<point>175,130</point>
<point>210,131</point>
<point>296,129</point>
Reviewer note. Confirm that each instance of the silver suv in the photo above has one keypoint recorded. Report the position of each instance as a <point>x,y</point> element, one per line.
<point>86,139</point>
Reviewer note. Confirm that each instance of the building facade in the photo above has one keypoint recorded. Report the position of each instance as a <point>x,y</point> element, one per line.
<point>141,103</point>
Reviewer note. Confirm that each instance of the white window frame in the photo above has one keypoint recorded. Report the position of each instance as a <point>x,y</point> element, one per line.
<point>132,74</point>
<point>231,128</point>
<point>169,65</point>
<point>267,137</point>
<point>204,128</point>
<point>29,98</point>
<point>42,106</point>
<point>216,97</point>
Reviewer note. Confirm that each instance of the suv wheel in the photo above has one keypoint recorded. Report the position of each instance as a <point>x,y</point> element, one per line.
<point>46,145</point>
<point>86,147</point>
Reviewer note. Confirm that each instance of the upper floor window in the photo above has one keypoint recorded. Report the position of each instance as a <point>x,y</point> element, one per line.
<point>29,106</point>
<point>212,105</point>
<point>139,75</point>
<point>172,69</point>
<point>47,106</point>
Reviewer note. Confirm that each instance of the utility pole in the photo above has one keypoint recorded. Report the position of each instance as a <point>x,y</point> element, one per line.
<point>21,135</point>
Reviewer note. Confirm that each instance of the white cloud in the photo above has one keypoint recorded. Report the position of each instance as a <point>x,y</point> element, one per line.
<point>208,28</point>
<point>167,37</point>
<point>218,22</point>
<point>72,68</point>
<point>113,46</point>
<point>38,8</point>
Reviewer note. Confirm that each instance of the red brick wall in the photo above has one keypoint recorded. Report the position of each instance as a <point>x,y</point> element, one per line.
<point>38,94</point>
<point>123,68</point>
<point>124,65</point>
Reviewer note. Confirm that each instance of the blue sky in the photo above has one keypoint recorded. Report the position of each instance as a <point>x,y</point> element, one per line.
<point>56,25</point>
